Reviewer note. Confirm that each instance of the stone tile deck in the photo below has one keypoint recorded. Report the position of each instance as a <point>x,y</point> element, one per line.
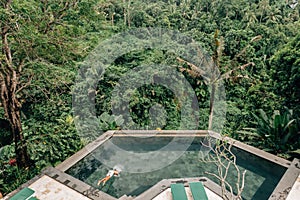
<point>294,194</point>
<point>46,188</point>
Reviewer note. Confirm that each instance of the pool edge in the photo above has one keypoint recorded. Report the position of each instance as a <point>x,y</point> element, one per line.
<point>70,161</point>
<point>285,181</point>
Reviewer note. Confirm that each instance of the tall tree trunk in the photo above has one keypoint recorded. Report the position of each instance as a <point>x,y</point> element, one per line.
<point>9,82</point>
<point>12,113</point>
<point>214,79</point>
<point>211,105</point>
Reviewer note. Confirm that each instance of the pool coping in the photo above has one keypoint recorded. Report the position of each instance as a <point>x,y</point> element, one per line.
<point>287,181</point>
<point>66,164</point>
<point>58,173</point>
<point>282,185</point>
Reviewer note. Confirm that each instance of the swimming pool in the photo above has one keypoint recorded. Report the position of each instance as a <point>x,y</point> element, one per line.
<point>261,178</point>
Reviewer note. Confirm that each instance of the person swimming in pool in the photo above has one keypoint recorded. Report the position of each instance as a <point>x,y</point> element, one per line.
<point>110,173</point>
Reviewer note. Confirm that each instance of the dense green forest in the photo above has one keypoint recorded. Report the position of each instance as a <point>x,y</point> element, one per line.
<point>255,44</point>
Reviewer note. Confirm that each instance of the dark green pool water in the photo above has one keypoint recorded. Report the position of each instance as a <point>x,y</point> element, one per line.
<point>261,178</point>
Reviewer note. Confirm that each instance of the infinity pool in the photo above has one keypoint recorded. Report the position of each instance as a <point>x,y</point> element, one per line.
<point>262,176</point>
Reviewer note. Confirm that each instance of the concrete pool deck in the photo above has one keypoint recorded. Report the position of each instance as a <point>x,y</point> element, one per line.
<point>47,188</point>
<point>287,188</point>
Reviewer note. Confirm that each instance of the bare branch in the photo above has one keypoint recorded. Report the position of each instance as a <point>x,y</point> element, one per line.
<point>224,158</point>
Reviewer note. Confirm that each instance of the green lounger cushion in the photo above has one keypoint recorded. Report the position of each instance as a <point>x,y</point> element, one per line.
<point>198,191</point>
<point>24,194</point>
<point>178,191</point>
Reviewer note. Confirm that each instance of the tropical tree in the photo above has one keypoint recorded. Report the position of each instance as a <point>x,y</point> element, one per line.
<point>34,34</point>
<point>11,85</point>
<point>216,77</point>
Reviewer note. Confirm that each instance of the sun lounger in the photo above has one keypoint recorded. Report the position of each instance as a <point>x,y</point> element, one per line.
<point>178,191</point>
<point>24,194</point>
<point>198,191</point>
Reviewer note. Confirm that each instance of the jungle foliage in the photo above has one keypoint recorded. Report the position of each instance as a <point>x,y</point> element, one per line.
<point>44,43</point>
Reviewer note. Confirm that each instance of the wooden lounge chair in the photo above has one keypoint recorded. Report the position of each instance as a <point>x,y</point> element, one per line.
<point>178,192</point>
<point>198,191</point>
